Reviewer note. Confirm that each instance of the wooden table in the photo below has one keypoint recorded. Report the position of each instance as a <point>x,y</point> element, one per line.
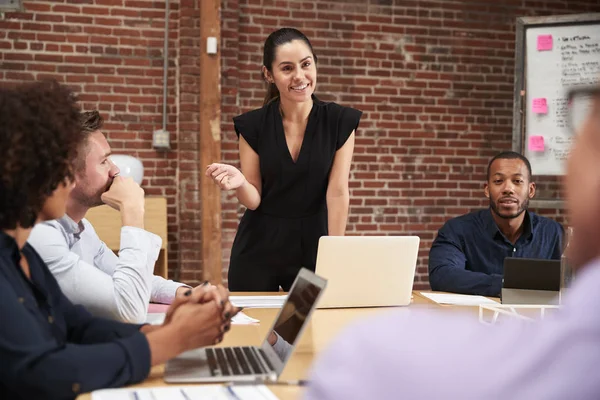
<point>322,328</point>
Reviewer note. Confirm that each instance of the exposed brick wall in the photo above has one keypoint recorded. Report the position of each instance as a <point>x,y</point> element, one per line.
<point>111,53</point>
<point>434,79</point>
<point>435,82</point>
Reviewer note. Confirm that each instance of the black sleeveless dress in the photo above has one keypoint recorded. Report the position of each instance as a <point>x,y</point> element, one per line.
<point>278,238</point>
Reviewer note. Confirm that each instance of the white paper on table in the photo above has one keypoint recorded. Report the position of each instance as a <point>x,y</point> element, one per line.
<point>258,301</point>
<point>238,319</point>
<point>242,319</point>
<point>204,392</point>
<point>155,318</point>
<point>458,299</point>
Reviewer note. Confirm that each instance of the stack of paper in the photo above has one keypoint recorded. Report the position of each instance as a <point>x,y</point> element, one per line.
<point>242,319</point>
<point>205,392</point>
<point>258,301</point>
<point>158,308</point>
<point>155,318</point>
<point>458,299</point>
<point>238,319</point>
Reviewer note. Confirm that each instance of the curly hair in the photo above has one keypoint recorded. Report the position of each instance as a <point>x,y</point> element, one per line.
<point>40,132</point>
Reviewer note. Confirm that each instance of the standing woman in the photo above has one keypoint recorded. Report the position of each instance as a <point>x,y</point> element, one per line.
<point>295,155</point>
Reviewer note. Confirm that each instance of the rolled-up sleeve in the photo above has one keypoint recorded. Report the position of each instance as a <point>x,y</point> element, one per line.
<point>117,287</point>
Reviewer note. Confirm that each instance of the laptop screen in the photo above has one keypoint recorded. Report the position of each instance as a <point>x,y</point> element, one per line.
<point>293,316</point>
<point>531,274</point>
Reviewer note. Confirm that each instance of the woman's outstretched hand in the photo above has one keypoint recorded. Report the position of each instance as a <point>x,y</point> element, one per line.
<point>226,176</point>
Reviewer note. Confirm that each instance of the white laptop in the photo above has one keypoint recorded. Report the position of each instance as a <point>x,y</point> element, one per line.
<point>253,363</point>
<point>367,271</point>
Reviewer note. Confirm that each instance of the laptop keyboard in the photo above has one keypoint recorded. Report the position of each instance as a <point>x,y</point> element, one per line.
<point>231,361</point>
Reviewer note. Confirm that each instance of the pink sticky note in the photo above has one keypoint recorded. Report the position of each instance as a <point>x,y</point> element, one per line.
<point>540,106</point>
<point>536,143</point>
<point>544,42</point>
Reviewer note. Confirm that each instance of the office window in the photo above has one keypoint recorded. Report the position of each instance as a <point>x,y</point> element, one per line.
<point>10,5</point>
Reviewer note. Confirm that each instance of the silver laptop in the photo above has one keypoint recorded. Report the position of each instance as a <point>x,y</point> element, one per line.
<point>252,363</point>
<point>367,271</point>
<point>530,281</point>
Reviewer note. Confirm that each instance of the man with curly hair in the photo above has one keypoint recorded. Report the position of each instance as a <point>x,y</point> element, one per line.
<point>50,348</point>
<point>89,273</point>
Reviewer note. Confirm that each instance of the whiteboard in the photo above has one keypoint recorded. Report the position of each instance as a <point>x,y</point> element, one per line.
<point>573,60</point>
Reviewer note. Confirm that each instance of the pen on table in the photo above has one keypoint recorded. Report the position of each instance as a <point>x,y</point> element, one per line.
<point>232,393</point>
<point>299,382</point>
<point>184,394</point>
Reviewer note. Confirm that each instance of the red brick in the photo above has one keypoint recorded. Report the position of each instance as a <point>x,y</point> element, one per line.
<point>49,18</point>
<point>33,26</point>
<point>62,8</point>
<point>434,82</point>
<point>19,15</point>
<point>36,6</point>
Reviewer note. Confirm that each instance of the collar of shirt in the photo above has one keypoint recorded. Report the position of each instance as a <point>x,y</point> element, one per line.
<point>493,230</point>
<point>71,227</point>
<point>8,247</point>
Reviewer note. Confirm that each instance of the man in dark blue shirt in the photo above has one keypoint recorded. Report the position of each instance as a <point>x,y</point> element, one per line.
<point>468,254</point>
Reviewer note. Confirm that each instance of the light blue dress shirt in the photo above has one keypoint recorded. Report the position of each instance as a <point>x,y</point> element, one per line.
<point>89,273</point>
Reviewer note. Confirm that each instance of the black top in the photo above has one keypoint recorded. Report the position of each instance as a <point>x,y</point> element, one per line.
<point>52,349</point>
<point>468,254</point>
<point>295,189</point>
<point>282,234</point>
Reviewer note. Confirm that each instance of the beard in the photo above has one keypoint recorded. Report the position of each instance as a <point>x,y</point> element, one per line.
<point>82,195</point>
<point>522,208</point>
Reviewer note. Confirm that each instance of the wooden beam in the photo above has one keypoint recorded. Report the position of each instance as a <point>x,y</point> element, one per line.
<point>210,139</point>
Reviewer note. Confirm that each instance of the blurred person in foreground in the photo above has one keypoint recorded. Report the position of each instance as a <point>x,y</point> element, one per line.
<point>429,355</point>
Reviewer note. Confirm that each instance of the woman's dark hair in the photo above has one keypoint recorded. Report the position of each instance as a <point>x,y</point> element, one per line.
<point>39,135</point>
<point>276,39</point>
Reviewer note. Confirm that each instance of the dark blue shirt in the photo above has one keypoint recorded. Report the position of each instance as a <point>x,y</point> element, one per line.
<point>468,254</point>
<point>52,349</point>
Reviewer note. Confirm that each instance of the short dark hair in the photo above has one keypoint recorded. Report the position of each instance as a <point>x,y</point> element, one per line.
<point>91,121</point>
<point>276,39</point>
<point>39,136</point>
<point>510,155</point>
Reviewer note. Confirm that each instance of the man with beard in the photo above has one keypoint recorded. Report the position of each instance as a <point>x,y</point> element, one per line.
<point>424,354</point>
<point>88,272</point>
<point>468,254</point>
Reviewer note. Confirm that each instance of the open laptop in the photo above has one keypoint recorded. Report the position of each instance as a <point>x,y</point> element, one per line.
<point>367,271</point>
<point>530,281</point>
<point>253,363</point>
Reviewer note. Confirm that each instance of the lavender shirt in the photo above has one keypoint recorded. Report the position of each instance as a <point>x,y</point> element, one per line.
<point>434,355</point>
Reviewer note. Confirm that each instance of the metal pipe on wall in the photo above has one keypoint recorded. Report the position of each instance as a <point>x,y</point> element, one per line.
<point>160,137</point>
<point>165,65</point>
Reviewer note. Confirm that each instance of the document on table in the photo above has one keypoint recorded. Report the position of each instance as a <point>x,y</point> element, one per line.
<point>204,392</point>
<point>458,299</point>
<point>258,301</point>
<point>238,319</point>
